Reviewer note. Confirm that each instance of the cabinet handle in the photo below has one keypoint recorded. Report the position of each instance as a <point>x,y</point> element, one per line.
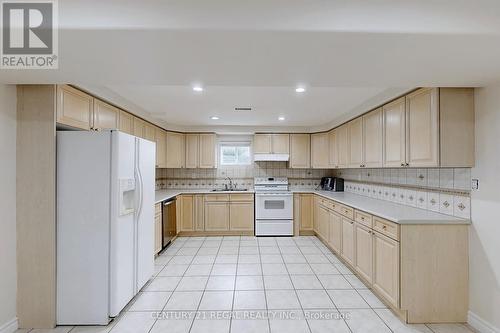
<point>407,164</point>
<point>402,164</point>
<point>384,227</point>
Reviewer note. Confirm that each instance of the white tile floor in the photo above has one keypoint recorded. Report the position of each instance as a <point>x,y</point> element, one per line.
<point>260,280</point>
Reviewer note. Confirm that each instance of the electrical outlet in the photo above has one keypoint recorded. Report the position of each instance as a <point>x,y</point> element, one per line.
<point>475,184</point>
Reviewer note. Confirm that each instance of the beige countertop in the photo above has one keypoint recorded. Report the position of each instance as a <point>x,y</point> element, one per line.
<point>385,209</point>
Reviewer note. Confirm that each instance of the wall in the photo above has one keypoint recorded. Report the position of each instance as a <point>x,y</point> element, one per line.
<point>484,267</point>
<point>8,277</point>
<point>243,175</point>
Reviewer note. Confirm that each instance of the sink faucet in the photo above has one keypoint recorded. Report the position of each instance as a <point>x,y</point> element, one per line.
<point>230,183</point>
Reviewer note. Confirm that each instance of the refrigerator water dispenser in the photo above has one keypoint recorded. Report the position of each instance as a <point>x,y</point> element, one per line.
<point>127,196</point>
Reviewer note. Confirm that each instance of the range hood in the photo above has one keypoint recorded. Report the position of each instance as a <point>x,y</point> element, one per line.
<point>271,157</point>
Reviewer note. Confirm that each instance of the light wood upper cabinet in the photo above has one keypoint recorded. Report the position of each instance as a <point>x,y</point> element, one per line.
<point>422,128</point>
<point>300,151</point>
<point>139,128</point>
<point>126,123</point>
<point>320,151</point>
<point>355,132</point>
<point>73,107</point>
<point>105,116</point>
<point>149,132</point>
<point>280,143</point>
<point>394,115</point>
<point>364,252</point>
<point>335,231</point>
<point>342,146</point>
<point>348,241</point>
<point>241,216</point>
<point>207,156</point>
<point>271,144</point>
<point>176,150</point>
<point>192,147</point>
<point>373,139</point>
<point>332,146</point>
<point>216,216</point>
<point>386,267</point>
<point>161,148</point>
<point>262,144</point>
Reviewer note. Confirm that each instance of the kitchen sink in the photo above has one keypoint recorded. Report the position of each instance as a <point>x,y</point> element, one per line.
<point>230,190</point>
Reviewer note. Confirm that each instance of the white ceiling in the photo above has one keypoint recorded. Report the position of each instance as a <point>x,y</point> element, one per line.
<point>351,55</point>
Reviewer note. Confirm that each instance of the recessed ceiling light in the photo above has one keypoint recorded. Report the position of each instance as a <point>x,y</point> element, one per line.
<point>198,88</point>
<point>300,89</point>
<point>214,118</point>
<point>281,118</point>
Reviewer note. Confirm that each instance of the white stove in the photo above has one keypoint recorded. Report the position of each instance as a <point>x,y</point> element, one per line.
<point>273,207</point>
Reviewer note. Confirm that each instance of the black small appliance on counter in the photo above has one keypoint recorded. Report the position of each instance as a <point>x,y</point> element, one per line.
<point>332,184</point>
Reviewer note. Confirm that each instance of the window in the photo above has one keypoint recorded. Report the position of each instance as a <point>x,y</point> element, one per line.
<point>235,153</point>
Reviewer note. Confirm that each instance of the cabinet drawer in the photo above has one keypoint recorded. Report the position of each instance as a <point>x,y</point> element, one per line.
<point>385,227</point>
<point>363,218</point>
<point>346,211</point>
<point>216,197</point>
<point>241,197</point>
<point>329,204</point>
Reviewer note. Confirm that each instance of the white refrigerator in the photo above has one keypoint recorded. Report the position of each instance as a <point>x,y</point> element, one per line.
<point>105,223</point>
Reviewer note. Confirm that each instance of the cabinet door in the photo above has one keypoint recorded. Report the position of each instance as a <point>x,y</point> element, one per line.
<point>262,144</point>
<point>320,151</point>
<point>216,216</point>
<point>348,241</point>
<point>139,128</point>
<point>355,130</point>
<point>187,222</point>
<point>207,150</point>
<point>105,116</point>
<point>364,252</point>
<point>333,158</point>
<point>335,231</point>
<point>126,123</point>
<point>372,139</point>
<point>192,146</point>
<point>149,132</point>
<point>306,211</point>
<point>323,220</point>
<point>199,213</point>
<point>422,128</point>
<point>74,107</point>
<point>386,268</point>
<point>395,133</point>
<point>342,146</point>
<point>280,143</point>
<point>161,148</point>
<point>175,150</point>
<point>158,228</point>
<point>300,151</point>
<point>241,216</point>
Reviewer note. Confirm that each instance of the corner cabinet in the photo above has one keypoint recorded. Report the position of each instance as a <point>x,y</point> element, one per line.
<point>300,151</point>
<point>355,142</point>
<point>161,148</point>
<point>320,151</point>
<point>176,150</point>
<point>342,140</point>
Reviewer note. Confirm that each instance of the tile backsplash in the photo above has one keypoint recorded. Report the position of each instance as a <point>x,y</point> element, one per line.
<point>242,175</point>
<point>441,190</point>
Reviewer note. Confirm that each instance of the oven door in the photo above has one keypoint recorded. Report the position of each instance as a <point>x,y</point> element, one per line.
<point>273,206</point>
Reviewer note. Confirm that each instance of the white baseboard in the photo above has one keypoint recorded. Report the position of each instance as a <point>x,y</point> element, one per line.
<point>480,324</point>
<point>9,327</point>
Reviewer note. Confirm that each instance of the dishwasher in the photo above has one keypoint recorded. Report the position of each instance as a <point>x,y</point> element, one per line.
<point>168,221</point>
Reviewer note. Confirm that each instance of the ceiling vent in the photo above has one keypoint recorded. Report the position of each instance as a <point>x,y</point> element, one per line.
<point>247,108</point>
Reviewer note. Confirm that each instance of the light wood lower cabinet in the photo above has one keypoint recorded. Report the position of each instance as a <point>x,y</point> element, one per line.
<point>323,220</point>
<point>241,216</point>
<point>386,267</point>
<point>187,213</point>
<point>303,213</point>
<point>335,231</point>
<point>199,212</point>
<point>364,251</point>
<point>420,271</point>
<point>216,216</point>
<point>348,241</point>
<point>158,229</point>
